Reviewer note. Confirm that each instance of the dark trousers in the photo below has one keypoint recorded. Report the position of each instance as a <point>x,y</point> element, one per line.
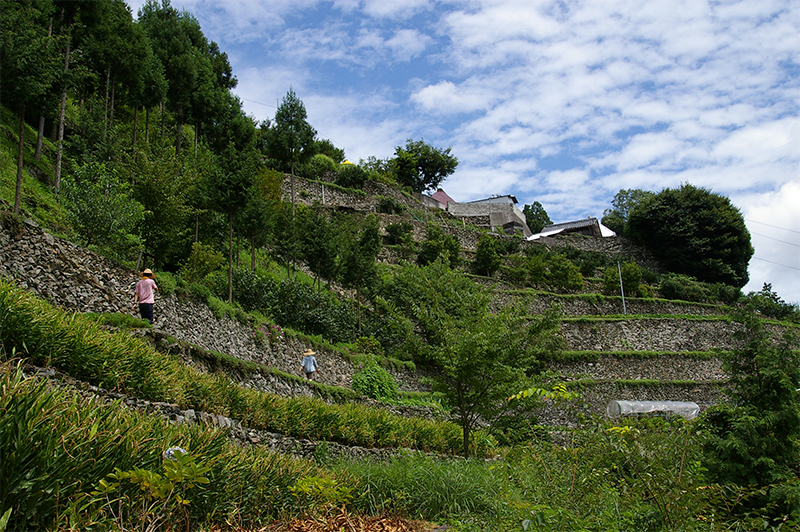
<point>146,310</point>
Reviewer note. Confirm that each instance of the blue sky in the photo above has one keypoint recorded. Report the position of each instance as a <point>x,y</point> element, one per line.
<point>561,102</point>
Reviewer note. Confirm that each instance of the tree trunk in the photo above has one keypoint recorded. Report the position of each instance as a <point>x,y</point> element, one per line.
<point>292,186</point>
<point>294,233</point>
<point>39,138</point>
<point>465,430</point>
<point>252,253</point>
<point>111,114</point>
<point>105,109</point>
<point>135,127</point>
<point>358,305</point>
<point>179,132</point>
<point>230,257</point>
<point>61,117</point>
<point>18,193</point>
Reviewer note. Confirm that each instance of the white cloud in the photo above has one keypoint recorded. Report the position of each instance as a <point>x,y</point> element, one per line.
<point>605,95</point>
<point>774,223</point>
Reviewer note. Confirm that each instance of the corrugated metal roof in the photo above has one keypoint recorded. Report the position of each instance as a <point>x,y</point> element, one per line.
<point>577,224</point>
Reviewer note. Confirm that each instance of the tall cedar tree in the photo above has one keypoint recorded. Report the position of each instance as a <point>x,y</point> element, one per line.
<point>754,439</point>
<point>291,139</point>
<point>177,42</point>
<point>29,61</point>
<point>536,217</point>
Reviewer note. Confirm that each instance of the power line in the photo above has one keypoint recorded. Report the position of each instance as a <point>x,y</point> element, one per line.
<point>774,226</point>
<point>777,263</point>
<point>259,103</point>
<point>776,240</point>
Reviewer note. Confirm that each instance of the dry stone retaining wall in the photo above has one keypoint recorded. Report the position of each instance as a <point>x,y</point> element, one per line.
<point>75,278</point>
<point>673,335</point>
<point>661,367</point>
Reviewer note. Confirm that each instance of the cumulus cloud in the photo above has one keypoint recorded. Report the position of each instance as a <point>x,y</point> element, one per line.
<point>558,102</point>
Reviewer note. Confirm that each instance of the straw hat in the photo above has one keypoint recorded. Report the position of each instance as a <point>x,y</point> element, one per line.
<point>308,353</point>
<point>147,273</point>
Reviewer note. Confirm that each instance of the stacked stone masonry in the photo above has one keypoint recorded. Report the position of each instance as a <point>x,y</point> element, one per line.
<point>75,278</point>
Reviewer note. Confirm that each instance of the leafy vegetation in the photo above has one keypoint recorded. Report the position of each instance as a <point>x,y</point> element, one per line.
<point>116,361</point>
<point>695,232</point>
<point>420,166</point>
<point>536,217</point>
<point>156,160</point>
<point>753,440</point>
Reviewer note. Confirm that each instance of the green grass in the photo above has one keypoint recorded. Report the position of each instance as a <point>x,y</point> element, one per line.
<point>612,318</point>
<point>57,446</point>
<point>643,475</point>
<point>117,320</point>
<point>70,443</point>
<point>594,356</point>
<point>642,383</point>
<point>352,191</point>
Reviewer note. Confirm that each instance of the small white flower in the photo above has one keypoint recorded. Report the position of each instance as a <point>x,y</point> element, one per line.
<point>169,454</point>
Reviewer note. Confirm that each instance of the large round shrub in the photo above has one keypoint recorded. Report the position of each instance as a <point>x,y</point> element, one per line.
<point>695,232</point>
<point>374,382</point>
<point>351,176</point>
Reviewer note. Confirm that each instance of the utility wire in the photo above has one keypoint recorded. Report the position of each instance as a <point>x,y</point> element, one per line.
<point>776,240</point>
<point>777,263</point>
<point>259,103</point>
<point>774,226</point>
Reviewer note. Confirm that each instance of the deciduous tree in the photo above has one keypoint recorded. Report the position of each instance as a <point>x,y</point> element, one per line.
<point>623,204</point>
<point>102,207</point>
<point>484,359</point>
<point>420,166</point>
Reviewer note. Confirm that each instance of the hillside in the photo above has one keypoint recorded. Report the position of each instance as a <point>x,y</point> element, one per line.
<point>463,370</point>
<point>660,350</point>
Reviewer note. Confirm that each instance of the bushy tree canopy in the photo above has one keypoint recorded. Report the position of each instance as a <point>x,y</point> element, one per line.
<point>623,204</point>
<point>696,232</point>
<point>484,359</point>
<point>420,166</point>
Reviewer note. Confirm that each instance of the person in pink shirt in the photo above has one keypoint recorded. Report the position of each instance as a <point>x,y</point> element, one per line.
<point>144,295</point>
